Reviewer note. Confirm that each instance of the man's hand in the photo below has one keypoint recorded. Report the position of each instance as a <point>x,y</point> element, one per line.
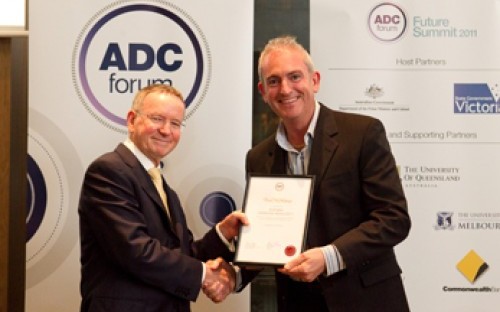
<point>219,280</point>
<point>230,226</point>
<point>305,267</point>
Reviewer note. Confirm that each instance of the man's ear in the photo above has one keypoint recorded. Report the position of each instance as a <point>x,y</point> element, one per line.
<point>262,90</point>
<point>316,78</point>
<point>131,116</point>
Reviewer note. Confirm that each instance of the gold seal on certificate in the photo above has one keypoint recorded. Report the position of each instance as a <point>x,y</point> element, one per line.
<point>277,207</point>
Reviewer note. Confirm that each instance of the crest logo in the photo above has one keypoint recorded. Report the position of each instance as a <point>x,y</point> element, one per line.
<point>113,58</point>
<point>374,91</point>
<point>444,221</point>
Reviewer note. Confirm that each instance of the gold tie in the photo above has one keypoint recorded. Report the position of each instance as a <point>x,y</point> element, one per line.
<point>158,182</point>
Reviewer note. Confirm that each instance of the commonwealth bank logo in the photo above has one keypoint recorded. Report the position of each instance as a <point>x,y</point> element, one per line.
<point>472,266</point>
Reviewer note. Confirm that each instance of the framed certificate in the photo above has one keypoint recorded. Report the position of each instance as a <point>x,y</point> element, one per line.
<point>277,208</point>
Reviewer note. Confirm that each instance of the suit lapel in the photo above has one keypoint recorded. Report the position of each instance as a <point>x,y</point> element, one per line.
<point>150,189</point>
<point>324,145</point>
<point>277,164</point>
<point>146,182</point>
<point>176,214</point>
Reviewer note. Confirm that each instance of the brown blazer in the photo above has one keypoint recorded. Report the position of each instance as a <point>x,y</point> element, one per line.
<point>358,205</point>
<point>132,258</point>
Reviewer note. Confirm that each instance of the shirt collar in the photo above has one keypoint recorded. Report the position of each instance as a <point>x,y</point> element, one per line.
<point>143,159</point>
<point>281,134</point>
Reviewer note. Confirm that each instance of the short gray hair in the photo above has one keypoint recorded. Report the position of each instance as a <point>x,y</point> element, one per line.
<point>154,88</point>
<point>284,43</point>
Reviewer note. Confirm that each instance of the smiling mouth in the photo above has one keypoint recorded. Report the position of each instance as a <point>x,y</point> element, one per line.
<point>162,142</point>
<point>289,101</point>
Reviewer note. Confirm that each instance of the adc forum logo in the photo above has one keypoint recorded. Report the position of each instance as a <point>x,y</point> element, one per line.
<point>387,22</point>
<point>127,46</point>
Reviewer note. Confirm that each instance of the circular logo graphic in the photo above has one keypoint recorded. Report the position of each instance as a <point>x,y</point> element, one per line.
<point>290,250</point>
<point>215,206</point>
<point>36,198</point>
<point>387,22</point>
<point>113,58</point>
<point>54,178</point>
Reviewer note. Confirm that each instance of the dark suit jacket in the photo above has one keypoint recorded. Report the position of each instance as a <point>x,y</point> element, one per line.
<point>132,258</point>
<point>358,205</point>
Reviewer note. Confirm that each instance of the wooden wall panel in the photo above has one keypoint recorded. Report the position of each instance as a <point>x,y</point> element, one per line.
<point>13,157</point>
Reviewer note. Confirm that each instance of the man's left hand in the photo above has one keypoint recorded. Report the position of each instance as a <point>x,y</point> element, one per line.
<point>305,267</point>
<point>230,225</point>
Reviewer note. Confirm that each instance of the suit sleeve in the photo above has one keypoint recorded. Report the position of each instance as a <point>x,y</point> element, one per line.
<point>117,220</point>
<point>380,200</point>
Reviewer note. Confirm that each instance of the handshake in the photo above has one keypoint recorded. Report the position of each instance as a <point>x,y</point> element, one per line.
<point>220,280</point>
<point>220,276</point>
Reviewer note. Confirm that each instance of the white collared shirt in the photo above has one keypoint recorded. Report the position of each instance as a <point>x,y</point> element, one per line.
<point>298,163</point>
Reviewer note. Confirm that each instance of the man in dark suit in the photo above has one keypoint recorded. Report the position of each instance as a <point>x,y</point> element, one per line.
<point>358,211</point>
<point>137,253</point>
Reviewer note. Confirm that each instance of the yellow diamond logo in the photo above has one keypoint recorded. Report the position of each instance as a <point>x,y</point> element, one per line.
<point>472,266</point>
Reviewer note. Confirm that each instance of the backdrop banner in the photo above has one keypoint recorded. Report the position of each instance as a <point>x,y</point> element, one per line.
<point>430,71</point>
<point>87,60</point>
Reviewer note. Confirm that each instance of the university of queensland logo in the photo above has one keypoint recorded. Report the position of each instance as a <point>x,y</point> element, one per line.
<point>387,22</point>
<point>129,45</point>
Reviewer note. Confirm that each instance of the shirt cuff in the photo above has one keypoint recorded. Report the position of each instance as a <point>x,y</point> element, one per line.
<point>204,272</point>
<point>230,245</point>
<point>333,259</point>
<point>238,281</point>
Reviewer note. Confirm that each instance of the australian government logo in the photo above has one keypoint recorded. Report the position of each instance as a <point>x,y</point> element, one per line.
<point>129,45</point>
<point>375,98</point>
<point>476,98</point>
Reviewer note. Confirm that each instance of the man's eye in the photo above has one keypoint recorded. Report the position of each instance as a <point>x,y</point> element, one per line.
<point>157,119</point>
<point>175,124</point>
<point>296,77</point>
<point>272,82</point>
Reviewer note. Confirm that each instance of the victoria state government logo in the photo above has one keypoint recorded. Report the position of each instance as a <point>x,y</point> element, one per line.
<point>129,45</point>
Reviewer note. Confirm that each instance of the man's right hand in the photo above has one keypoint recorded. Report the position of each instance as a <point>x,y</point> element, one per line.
<point>220,279</point>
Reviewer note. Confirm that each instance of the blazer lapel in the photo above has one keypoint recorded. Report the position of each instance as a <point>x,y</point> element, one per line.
<point>150,189</point>
<point>177,218</point>
<point>277,164</point>
<point>145,181</point>
<point>324,145</point>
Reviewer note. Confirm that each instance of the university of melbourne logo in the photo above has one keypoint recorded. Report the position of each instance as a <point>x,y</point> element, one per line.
<point>444,221</point>
<point>387,22</point>
<point>476,98</point>
<point>129,45</point>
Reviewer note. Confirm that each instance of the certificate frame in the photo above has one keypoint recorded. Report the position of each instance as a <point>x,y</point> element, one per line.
<point>277,208</point>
